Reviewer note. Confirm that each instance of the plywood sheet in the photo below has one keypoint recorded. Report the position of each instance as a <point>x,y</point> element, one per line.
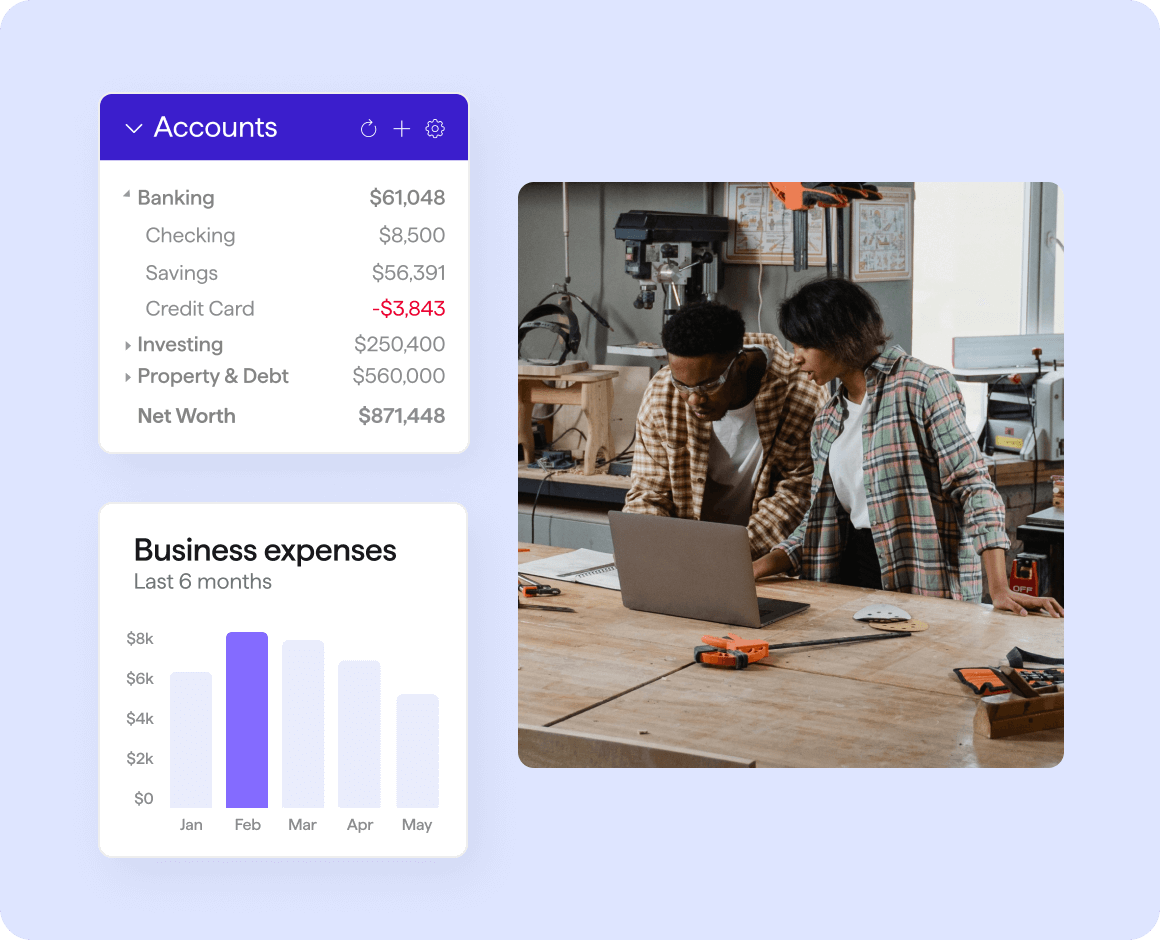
<point>959,634</point>
<point>551,747</point>
<point>787,718</point>
<point>570,661</point>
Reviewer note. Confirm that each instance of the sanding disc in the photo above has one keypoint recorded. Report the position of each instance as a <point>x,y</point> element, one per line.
<point>884,613</point>
<point>909,626</point>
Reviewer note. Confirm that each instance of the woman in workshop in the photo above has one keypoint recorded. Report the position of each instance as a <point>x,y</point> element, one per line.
<point>901,499</point>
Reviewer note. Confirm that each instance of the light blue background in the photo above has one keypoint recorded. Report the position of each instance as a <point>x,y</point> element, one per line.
<point>597,91</point>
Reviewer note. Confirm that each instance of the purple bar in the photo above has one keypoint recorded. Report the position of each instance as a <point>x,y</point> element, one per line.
<point>304,127</point>
<point>247,720</point>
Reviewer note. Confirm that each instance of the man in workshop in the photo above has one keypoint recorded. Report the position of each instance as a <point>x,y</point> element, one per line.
<point>723,432</point>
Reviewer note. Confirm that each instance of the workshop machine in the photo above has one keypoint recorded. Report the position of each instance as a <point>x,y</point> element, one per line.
<point>1024,378</point>
<point>679,252</point>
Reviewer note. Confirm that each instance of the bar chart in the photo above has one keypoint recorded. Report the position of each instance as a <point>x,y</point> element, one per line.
<point>267,687</point>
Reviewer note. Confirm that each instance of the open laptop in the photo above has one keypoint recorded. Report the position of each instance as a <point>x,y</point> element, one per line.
<point>686,568</point>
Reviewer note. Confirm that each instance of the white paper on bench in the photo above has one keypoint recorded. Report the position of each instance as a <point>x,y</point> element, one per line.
<point>568,564</point>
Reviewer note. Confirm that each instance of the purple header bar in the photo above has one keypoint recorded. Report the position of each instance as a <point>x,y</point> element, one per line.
<point>283,127</point>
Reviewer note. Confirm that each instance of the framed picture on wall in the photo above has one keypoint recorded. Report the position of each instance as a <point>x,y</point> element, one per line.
<point>762,229</point>
<point>882,236</point>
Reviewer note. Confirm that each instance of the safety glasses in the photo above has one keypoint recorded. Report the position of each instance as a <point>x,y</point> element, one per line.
<point>706,388</point>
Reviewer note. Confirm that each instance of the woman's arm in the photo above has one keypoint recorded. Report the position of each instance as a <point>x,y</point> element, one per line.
<point>961,468</point>
<point>791,460</point>
<point>787,556</point>
<point>995,564</point>
<point>965,478</point>
<point>776,562</point>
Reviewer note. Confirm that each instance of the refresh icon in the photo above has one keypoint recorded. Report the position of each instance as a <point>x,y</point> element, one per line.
<point>368,129</point>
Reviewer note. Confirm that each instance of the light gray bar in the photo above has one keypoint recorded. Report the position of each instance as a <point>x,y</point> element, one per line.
<point>359,734</point>
<point>996,352</point>
<point>417,754</point>
<point>302,723</point>
<point>190,730</point>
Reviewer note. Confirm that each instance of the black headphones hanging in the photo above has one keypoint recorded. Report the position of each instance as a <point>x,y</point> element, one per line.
<point>565,325</point>
<point>559,320</point>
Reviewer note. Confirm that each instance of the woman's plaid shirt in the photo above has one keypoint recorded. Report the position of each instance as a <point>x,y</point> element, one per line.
<point>933,507</point>
<point>671,455</point>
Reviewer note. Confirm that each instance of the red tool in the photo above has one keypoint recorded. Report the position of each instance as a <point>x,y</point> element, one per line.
<point>535,588</point>
<point>1025,576</point>
<point>733,652</point>
<point>540,590</point>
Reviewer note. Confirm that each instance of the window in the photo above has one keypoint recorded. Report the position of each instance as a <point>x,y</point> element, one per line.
<point>982,251</point>
<point>968,261</point>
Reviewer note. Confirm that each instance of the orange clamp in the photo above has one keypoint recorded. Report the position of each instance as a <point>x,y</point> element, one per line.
<point>730,651</point>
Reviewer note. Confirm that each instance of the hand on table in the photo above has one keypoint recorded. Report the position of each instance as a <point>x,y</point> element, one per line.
<point>1021,603</point>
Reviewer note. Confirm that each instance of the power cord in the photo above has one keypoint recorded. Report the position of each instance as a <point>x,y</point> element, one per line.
<point>583,436</point>
<point>760,300</point>
<point>627,452</point>
<point>551,473</point>
<point>1034,453</point>
<point>552,414</point>
<point>547,477</point>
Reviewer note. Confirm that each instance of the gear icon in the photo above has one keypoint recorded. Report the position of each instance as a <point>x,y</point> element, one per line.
<point>435,128</point>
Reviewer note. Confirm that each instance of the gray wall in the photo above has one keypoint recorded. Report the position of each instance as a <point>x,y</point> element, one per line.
<point>597,263</point>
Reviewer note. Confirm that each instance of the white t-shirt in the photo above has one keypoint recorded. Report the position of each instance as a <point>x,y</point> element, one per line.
<point>846,465</point>
<point>734,464</point>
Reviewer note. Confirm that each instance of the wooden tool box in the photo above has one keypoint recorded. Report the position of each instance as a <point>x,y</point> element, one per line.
<point>1000,716</point>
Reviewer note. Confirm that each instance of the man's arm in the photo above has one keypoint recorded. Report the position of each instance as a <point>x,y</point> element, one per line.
<point>651,490</point>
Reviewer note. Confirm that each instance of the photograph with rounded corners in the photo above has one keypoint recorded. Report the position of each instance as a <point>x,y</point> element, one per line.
<point>790,474</point>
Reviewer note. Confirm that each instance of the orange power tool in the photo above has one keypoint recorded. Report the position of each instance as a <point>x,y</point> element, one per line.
<point>733,652</point>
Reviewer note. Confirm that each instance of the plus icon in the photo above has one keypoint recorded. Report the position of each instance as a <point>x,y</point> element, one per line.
<point>400,128</point>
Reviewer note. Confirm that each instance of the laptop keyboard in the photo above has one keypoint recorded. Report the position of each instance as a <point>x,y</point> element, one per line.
<point>772,610</point>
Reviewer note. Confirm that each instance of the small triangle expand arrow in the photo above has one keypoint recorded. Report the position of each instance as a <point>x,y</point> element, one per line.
<point>126,376</point>
<point>127,345</point>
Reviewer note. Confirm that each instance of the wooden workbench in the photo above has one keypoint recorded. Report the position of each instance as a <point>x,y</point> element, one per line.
<point>609,674</point>
<point>1010,470</point>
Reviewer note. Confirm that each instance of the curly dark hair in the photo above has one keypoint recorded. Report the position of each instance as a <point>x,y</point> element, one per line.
<point>836,316</point>
<point>703,329</point>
